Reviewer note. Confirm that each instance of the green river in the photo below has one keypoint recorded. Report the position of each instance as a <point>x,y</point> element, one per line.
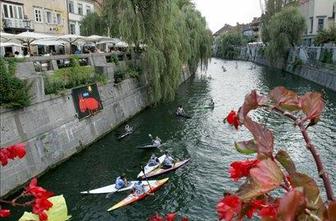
<point>192,190</point>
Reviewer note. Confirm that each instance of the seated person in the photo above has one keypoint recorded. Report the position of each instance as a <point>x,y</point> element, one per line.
<point>121,182</point>
<point>168,162</point>
<point>139,188</point>
<point>156,141</point>
<point>153,161</point>
<point>128,128</point>
<point>180,111</point>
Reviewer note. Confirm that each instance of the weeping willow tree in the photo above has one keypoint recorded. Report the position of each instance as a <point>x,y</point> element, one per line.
<point>175,34</point>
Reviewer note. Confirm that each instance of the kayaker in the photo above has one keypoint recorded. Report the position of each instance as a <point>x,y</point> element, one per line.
<point>180,111</point>
<point>168,161</point>
<point>153,161</point>
<point>121,182</point>
<point>156,141</point>
<point>128,128</point>
<point>212,103</point>
<point>139,188</point>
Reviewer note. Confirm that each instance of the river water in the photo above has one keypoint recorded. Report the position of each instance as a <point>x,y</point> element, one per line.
<point>194,189</point>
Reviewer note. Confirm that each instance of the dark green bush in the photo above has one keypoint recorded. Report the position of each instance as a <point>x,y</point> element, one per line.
<point>14,92</point>
<point>326,56</point>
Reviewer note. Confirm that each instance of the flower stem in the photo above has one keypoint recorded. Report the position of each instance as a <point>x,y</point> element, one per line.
<point>316,155</point>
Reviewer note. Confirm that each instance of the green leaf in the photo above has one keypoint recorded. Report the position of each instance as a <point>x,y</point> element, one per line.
<point>285,160</point>
<point>292,204</point>
<point>312,105</point>
<point>285,99</point>
<point>265,177</point>
<point>311,192</point>
<point>262,136</point>
<point>246,147</point>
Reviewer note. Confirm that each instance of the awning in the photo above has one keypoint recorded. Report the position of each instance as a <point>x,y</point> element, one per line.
<point>10,44</point>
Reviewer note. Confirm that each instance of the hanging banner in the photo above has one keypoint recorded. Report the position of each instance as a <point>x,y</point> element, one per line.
<point>86,100</point>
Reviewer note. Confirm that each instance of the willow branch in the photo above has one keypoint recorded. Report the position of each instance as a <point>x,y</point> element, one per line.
<point>316,155</point>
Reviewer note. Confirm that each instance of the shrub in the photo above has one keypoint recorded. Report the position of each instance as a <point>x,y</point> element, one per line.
<point>14,92</point>
<point>326,56</point>
<point>73,76</point>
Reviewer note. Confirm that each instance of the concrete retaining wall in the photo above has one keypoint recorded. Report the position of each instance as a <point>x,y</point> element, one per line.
<point>53,133</point>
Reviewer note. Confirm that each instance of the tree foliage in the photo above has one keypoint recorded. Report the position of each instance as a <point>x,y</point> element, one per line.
<point>14,92</point>
<point>326,36</point>
<point>174,31</point>
<point>285,29</point>
<point>228,45</point>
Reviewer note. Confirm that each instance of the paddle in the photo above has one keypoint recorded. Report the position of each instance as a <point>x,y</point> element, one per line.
<point>143,170</point>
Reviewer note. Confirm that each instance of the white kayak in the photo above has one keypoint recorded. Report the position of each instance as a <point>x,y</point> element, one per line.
<point>112,189</point>
<point>148,169</point>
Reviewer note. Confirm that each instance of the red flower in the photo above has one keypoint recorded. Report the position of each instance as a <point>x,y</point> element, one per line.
<point>43,216</point>
<point>269,210</point>
<point>185,219</point>
<point>170,216</point>
<point>41,204</point>
<point>232,119</point>
<point>10,152</point>
<point>229,207</point>
<point>37,191</point>
<point>156,217</point>
<point>4,213</point>
<point>241,168</point>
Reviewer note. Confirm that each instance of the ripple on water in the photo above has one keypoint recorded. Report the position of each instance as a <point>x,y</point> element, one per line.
<point>194,189</point>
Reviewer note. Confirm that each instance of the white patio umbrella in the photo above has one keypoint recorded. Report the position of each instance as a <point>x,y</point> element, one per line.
<point>28,37</point>
<point>10,44</point>
<point>48,42</point>
<point>6,36</point>
<point>97,38</point>
<point>121,44</point>
<point>71,38</point>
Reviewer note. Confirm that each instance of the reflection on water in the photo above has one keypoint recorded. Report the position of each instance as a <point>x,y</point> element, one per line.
<point>195,189</point>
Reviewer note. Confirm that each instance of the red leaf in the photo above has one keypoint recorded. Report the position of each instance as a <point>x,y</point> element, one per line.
<point>232,119</point>
<point>3,158</point>
<point>252,101</point>
<point>312,105</point>
<point>43,216</point>
<point>330,212</point>
<point>284,98</point>
<point>262,136</point>
<point>4,213</point>
<point>185,219</point>
<point>170,216</point>
<point>291,205</point>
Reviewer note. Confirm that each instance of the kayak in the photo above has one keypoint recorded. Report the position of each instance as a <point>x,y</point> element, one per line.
<point>125,134</point>
<point>183,116</point>
<point>160,171</point>
<point>148,169</point>
<point>112,189</point>
<point>150,146</point>
<point>132,198</point>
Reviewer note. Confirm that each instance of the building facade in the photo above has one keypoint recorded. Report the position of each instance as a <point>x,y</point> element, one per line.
<point>14,18</point>
<point>78,9</point>
<point>44,16</point>
<point>319,15</point>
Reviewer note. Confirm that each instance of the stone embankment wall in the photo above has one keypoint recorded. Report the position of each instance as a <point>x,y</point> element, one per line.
<point>51,130</point>
<point>303,62</point>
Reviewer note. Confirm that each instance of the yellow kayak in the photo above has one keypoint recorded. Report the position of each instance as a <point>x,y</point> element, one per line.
<point>134,198</point>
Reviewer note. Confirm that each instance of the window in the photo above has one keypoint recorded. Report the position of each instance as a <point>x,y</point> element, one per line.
<point>80,9</point>
<point>5,10</point>
<point>54,18</point>
<point>72,28</point>
<point>48,16</point>
<point>59,18</point>
<point>20,13</point>
<point>38,15</point>
<point>311,25</point>
<point>10,11</point>
<point>88,9</point>
<point>320,24</point>
<point>71,7</point>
